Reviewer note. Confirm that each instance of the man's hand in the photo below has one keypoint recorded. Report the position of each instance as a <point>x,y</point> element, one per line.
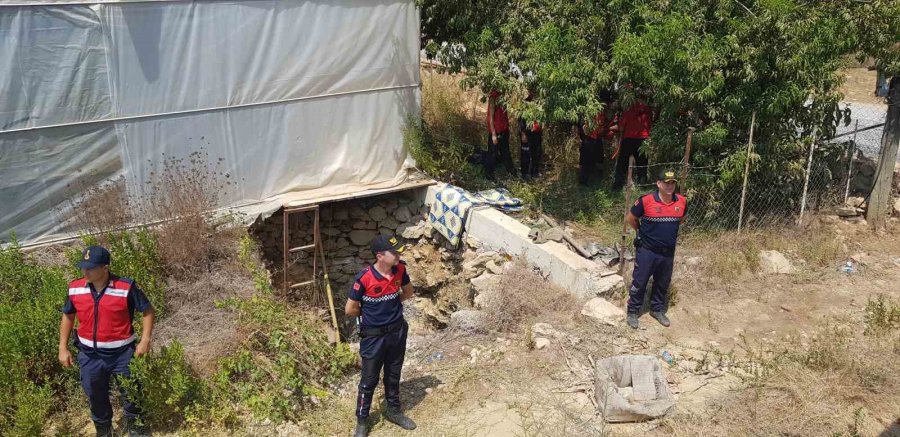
<point>142,348</point>
<point>65,357</point>
<point>494,139</point>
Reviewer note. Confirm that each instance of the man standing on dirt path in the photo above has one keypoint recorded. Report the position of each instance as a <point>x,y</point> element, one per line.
<point>376,296</point>
<point>104,305</point>
<point>655,217</point>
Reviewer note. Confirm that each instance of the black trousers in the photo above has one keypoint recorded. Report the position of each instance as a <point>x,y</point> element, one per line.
<point>383,351</point>
<point>532,153</point>
<point>630,147</point>
<point>590,154</point>
<point>495,152</point>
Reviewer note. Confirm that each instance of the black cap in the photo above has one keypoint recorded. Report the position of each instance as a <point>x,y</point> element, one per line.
<point>384,243</point>
<point>93,256</point>
<point>667,175</point>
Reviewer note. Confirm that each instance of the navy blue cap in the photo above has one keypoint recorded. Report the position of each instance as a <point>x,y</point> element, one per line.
<point>93,256</point>
<point>384,243</point>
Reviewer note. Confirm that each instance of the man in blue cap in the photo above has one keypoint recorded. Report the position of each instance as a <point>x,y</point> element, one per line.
<point>376,296</point>
<point>104,305</point>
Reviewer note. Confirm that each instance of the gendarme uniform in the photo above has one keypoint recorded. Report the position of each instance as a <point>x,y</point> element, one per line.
<point>104,336</point>
<point>382,329</point>
<point>658,233</point>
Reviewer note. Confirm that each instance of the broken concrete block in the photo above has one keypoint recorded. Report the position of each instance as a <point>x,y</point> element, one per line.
<point>774,262</point>
<point>603,311</point>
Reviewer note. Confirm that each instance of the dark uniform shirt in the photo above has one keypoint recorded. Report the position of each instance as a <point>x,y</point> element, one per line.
<point>659,221</point>
<point>379,297</point>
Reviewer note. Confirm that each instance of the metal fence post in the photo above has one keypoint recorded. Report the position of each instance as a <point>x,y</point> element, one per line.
<point>850,165</point>
<point>746,173</point>
<point>812,148</point>
<point>686,162</point>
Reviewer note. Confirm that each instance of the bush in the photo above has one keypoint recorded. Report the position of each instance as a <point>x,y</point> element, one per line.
<point>882,316</point>
<point>163,385</point>
<point>30,299</point>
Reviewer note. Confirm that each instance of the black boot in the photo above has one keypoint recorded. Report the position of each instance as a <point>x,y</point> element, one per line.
<point>397,417</point>
<point>361,429</point>
<point>103,429</point>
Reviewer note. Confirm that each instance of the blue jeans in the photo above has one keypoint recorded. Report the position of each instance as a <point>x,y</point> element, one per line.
<point>96,372</point>
<point>646,264</point>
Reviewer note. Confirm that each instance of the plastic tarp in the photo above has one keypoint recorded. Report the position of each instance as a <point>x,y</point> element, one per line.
<point>297,99</point>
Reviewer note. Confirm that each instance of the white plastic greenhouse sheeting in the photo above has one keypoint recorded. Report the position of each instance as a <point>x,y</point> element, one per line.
<point>299,98</point>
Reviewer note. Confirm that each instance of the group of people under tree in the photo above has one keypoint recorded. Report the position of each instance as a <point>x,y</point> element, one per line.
<point>620,132</point>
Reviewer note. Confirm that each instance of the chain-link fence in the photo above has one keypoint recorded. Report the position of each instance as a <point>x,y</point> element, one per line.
<point>756,198</point>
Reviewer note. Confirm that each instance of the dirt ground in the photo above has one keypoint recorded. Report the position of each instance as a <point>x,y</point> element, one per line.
<point>458,384</point>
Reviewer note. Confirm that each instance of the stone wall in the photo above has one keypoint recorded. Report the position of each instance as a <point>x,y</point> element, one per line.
<point>347,229</point>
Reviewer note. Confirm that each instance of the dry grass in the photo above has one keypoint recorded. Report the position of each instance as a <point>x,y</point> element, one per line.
<point>181,195</point>
<point>839,384</point>
<point>524,295</point>
<point>98,209</point>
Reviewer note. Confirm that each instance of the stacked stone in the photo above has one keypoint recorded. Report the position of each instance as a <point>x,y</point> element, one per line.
<point>347,229</point>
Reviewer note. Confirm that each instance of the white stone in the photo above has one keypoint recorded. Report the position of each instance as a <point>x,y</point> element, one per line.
<point>774,262</point>
<point>493,267</point>
<point>540,343</point>
<point>603,311</point>
<point>486,288</point>
<point>542,329</point>
<point>469,321</point>
<point>897,205</point>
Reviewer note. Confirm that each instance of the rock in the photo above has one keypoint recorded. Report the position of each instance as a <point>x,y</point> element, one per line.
<point>473,242</point>
<point>362,237</point>
<point>368,224</point>
<point>402,214</point>
<point>389,223</point>
<point>469,321</point>
<point>341,214</point>
<point>479,260</point>
<point>829,219</point>
<point>846,211</point>
<point>855,202</point>
<point>358,213</point>
<point>486,286</point>
<point>863,258</point>
<point>544,330</point>
<point>775,262</point>
<point>331,232</point>
<point>416,231</point>
<point>493,267</point>
<point>603,311</point>
<point>541,342</point>
<point>377,213</point>
<point>897,206</point>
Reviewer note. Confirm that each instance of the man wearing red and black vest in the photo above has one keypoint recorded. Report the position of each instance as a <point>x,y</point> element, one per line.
<point>656,218</point>
<point>104,305</point>
<point>634,124</point>
<point>376,296</point>
<point>498,136</point>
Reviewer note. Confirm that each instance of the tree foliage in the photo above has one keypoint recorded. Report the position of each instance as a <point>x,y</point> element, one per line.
<point>707,64</point>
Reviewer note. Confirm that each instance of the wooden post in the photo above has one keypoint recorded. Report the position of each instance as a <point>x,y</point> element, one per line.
<point>686,162</point>
<point>879,200</point>
<point>812,148</point>
<point>850,161</point>
<point>746,173</point>
<point>628,186</point>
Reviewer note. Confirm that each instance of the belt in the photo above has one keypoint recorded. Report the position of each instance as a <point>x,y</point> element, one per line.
<point>382,330</point>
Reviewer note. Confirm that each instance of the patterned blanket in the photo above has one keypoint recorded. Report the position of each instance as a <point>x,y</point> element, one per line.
<point>452,204</point>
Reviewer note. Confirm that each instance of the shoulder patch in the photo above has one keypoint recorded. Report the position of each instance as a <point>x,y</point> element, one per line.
<point>356,286</point>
